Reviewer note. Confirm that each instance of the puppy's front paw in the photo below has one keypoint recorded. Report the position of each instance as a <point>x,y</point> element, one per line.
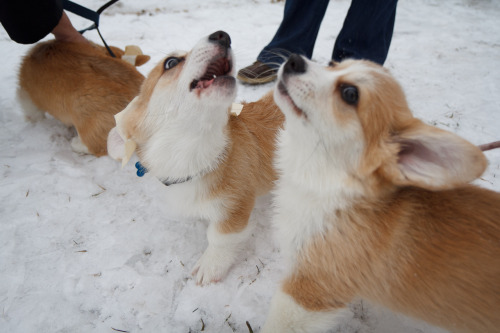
<point>213,265</point>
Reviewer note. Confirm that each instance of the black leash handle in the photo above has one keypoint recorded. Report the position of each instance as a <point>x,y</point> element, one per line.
<point>105,6</point>
<point>90,15</point>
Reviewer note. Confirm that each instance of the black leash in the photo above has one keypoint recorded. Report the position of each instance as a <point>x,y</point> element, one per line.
<point>90,15</point>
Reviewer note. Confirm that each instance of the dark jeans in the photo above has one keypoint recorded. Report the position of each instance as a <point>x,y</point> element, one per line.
<point>28,21</point>
<point>366,33</point>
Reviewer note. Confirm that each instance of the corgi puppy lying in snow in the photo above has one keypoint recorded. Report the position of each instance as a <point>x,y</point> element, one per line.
<point>214,164</point>
<point>373,203</point>
<point>81,85</point>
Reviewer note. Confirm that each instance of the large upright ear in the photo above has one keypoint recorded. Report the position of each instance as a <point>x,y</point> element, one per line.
<point>434,159</point>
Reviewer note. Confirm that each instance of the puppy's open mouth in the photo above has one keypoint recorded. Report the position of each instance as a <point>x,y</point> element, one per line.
<point>216,70</point>
<point>284,92</point>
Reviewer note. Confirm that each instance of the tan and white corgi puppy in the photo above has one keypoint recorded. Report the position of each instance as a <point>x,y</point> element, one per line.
<point>81,85</point>
<point>372,203</point>
<point>213,163</point>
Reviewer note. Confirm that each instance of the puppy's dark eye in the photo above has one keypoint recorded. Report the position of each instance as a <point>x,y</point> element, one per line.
<point>171,62</point>
<point>349,94</point>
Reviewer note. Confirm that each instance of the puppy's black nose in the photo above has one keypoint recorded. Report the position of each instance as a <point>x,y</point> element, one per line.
<point>220,37</point>
<point>295,64</point>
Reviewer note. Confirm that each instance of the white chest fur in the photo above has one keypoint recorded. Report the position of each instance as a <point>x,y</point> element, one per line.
<point>299,216</point>
<point>183,149</point>
<point>191,200</point>
<point>311,187</point>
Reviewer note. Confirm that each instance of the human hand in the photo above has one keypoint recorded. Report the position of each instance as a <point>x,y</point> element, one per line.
<point>64,31</point>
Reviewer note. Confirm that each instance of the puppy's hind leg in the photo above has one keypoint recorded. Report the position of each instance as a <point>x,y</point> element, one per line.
<point>286,315</point>
<point>93,129</point>
<point>31,112</point>
<point>78,146</point>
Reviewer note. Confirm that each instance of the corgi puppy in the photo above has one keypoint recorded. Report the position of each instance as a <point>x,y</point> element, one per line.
<point>81,85</point>
<point>373,203</point>
<point>213,163</point>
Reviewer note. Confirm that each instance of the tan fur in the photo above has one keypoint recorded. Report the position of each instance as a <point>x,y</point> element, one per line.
<point>387,123</point>
<point>81,85</point>
<point>247,171</point>
<point>432,255</point>
<point>427,250</point>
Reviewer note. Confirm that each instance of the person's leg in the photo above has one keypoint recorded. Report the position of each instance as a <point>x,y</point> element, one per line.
<point>297,32</point>
<point>367,31</point>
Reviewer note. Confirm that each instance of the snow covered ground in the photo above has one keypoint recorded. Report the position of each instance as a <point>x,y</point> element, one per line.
<point>88,247</point>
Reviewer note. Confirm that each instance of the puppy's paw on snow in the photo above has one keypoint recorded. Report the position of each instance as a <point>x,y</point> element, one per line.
<point>212,266</point>
<point>78,146</point>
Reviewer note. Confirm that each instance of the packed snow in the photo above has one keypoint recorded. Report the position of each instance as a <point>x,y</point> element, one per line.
<point>86,246</point>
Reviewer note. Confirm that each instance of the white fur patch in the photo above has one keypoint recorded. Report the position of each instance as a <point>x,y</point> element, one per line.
<point>222,251</point>
<point>191,200</point>
<point>287,316</point>
<point>315,159</point>
<point>78,146</point>
<point>188,130</point>
<point>31,111</point>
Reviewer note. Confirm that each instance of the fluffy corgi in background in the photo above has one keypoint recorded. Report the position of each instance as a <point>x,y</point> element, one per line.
<point>373,203</point>
<point>213,163</point>
<point>81,85</point>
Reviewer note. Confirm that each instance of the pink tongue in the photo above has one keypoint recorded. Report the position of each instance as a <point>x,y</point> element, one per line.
<point>204,84</point>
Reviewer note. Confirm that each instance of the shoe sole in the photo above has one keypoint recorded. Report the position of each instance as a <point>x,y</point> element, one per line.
<point>261,80</point>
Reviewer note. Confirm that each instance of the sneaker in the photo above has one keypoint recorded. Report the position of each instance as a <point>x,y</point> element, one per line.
<point>257,73</point>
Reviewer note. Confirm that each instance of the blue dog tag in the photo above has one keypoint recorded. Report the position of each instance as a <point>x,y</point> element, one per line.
<point>141,170</point>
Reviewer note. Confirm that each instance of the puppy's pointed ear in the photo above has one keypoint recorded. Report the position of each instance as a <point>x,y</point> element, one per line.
<point>434,159</point>
<point>122,138</point>
<point>116,145</point>
<point>141,59</point>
